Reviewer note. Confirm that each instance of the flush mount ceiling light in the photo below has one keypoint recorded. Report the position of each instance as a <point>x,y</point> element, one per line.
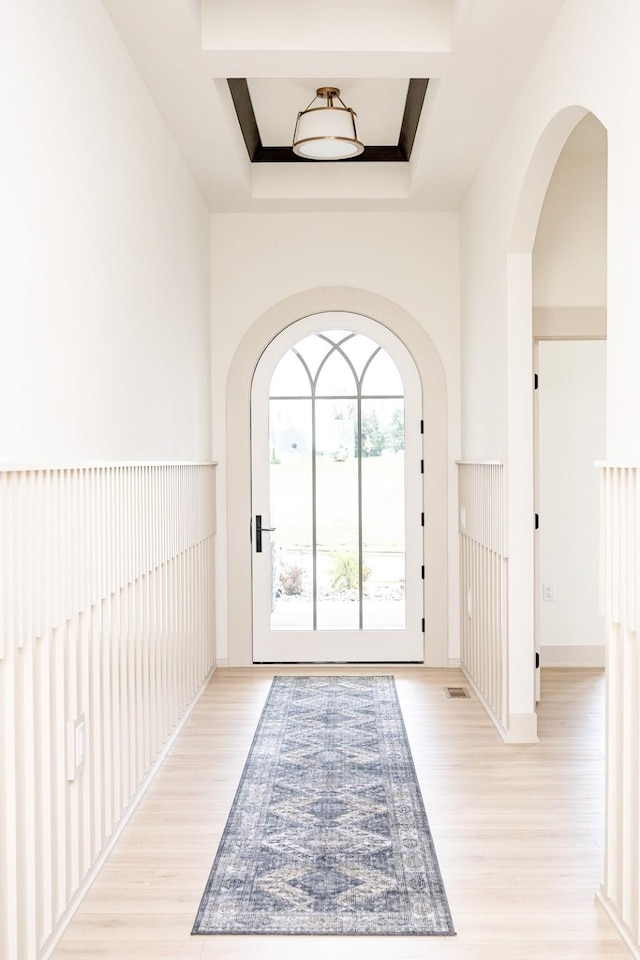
<point>327,132</point>
<point>270,152</point>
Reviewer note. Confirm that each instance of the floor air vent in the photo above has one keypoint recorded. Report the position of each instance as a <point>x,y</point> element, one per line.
<point>457,693</point>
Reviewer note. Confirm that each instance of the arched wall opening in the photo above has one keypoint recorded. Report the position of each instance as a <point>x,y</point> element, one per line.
<point>237,545</point>
<point>570,351</point>
<point>521,503</point>
<point>618,481</point>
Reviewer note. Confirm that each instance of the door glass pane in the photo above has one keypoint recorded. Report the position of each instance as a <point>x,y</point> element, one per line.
<point>291,543</point>
<point>290,379</point>
<point>337,485</point>
<point>383,514</point>
<point>359,349</point>
<point>336,378</point>
<point>337,516</point>
<point>335,336</point>
<point>313,350</point>
<point>382,377</point>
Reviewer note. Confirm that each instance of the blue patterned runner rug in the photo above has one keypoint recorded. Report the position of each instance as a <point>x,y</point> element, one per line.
<point>327,833</point>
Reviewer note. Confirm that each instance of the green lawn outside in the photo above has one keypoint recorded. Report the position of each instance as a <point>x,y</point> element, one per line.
<point>382,502</point>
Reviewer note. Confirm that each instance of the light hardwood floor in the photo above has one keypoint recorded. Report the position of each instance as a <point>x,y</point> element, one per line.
<point>518,830</point>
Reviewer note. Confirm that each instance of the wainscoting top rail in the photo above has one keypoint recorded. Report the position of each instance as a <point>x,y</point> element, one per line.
<point>479,463</point>
<point>100,465</point>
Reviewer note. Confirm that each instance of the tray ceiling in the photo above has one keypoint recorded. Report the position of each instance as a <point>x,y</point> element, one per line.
<point>475,53</point>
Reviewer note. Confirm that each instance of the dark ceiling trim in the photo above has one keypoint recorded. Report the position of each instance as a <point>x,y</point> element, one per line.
<point>401,153</point>
<point>246,117</point>
<point>412,111</point>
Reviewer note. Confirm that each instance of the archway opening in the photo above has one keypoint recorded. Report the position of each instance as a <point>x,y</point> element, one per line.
<point>524,525</point>
<point>235,554</point>
<point>569,267</point>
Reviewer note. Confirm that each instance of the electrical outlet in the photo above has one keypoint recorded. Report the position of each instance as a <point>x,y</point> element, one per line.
<point>547,591</point>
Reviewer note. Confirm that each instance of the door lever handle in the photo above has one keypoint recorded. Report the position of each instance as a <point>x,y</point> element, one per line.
<point>259,531</point>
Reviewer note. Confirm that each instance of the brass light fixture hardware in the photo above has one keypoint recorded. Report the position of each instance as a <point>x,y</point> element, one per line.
<point>327,132</point>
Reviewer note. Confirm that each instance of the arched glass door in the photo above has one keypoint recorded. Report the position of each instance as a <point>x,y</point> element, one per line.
<point>336,493</point>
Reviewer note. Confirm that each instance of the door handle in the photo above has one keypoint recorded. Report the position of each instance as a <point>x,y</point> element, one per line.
<point>259,531</point>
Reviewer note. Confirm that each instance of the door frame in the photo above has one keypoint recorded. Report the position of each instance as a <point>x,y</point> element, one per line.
<point>234,621</point>
<point>568,326</point>
<point>341,644</point>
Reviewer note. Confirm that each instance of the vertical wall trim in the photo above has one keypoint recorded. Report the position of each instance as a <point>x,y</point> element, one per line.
<point>106,637</point>
<point>92,873</point>
<point>619,597</point>
<point>483,584</point>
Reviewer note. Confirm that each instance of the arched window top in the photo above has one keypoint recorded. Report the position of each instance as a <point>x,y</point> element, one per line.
<point>336,363</point>
<point>336,376</point>
<point>291,377</point>
<point>382,377</point>
<point>311,351</point>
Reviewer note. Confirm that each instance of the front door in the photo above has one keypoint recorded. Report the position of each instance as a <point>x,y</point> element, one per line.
<point>336,494</point>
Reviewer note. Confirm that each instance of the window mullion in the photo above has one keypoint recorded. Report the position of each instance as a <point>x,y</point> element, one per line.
<point>314,513</point>
<point>360,545</point>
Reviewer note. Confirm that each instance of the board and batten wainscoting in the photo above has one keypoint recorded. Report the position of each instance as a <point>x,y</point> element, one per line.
<point>620,598</point>
<point>106,640</point>
<point>483,583</point>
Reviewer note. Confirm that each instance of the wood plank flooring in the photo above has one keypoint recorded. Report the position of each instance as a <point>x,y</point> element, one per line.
<point>518,830</point>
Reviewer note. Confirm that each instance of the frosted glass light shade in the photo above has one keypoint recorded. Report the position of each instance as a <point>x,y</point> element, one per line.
<point>326,133</point>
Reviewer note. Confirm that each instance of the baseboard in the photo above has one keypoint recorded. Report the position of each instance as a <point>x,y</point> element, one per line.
<point>523,727</point>
<point>222,662</point>
<point>110,843</point>
<point>585,656</point>
<point>454,662</point>
<point>619,924</point>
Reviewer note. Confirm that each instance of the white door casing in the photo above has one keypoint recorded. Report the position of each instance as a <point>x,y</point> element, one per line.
<point>362,643</point>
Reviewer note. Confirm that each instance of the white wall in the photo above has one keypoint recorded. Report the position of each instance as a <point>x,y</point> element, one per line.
<point>105,253</point>
<point>572,436</point>
<point>573,68</point>
<point>259,260</point>
<point>410,259</point>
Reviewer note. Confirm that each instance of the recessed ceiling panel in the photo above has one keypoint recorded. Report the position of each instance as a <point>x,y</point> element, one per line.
<point>283,152</point>
<point>379,105</point>
<point>193,54</point>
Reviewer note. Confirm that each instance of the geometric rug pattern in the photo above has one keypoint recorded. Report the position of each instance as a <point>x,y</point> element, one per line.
<point>327,833</point>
